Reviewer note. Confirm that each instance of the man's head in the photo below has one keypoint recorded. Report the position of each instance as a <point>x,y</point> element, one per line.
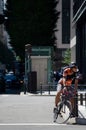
<point>73,66</point>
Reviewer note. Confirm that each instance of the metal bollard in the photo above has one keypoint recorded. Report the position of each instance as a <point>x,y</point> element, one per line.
<point>49,88</point>
<point>81,99</point>
<point>75,111</point>
<point>41,88</point>
<point>85,99</point>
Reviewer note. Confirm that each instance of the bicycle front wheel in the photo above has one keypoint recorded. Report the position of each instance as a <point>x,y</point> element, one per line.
<point>64,112</point>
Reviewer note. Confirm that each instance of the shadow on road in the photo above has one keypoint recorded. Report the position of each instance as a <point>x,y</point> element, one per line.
<point>11,91</point>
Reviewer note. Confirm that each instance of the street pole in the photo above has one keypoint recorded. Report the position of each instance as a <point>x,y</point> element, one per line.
<point>27,64</point>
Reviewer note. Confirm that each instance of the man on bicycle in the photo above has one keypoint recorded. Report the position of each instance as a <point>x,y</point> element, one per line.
<point>69,77</point>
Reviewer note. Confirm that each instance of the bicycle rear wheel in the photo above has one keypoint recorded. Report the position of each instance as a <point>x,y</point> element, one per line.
<point>64,112</point>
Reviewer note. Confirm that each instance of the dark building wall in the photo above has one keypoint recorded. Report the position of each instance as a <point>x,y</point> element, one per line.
<point>81,43</point>
<point>77,4</point>
<point>79,17</point>
<point>66,21</point>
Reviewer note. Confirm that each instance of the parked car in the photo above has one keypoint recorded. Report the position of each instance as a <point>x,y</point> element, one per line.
<point>13,81</point>
<point>10,80</point>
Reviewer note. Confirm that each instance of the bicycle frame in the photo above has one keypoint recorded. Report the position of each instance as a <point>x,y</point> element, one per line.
<point>64,107</point>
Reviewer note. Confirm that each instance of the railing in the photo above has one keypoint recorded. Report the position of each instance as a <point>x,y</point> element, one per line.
<point>82,98</point>
<point>49,88</point>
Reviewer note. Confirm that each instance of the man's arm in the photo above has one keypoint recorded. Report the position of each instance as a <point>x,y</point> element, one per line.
<point>64,77</point>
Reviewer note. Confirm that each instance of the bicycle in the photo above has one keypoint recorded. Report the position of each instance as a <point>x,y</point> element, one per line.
<point>64,109</point>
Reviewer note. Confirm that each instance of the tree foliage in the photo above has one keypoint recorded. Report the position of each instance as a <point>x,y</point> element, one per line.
<point>67,57</point>
<point>31,22</point>
<point>6,55</point>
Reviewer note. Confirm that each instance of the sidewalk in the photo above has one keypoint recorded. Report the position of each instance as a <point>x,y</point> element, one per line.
<point>48,93</point>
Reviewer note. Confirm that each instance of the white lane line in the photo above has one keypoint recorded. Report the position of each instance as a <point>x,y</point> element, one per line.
<point>30,124</point>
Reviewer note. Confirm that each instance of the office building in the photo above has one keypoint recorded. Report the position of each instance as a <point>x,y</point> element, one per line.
<point>63,33</point>
<point>78,34</point>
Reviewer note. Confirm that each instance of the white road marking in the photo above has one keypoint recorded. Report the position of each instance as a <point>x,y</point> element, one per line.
<point>30,124</point>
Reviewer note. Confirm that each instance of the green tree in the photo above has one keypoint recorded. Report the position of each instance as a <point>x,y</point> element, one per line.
<point>67,57</point>
<point>31,22</point>
<point>6,55</point>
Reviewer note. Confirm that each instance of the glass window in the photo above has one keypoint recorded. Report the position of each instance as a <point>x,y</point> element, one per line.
<point>65,21</point>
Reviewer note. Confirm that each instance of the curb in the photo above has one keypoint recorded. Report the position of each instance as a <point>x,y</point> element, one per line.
<point>81,121</point>
<point>77,120</point>
<point>37,94</point>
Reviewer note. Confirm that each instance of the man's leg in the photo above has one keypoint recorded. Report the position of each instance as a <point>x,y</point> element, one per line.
<point>57,98</point>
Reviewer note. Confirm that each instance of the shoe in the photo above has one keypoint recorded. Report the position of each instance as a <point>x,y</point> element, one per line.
<point>72,115</point>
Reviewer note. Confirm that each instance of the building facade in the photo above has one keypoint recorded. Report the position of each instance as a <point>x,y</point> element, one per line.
<point>71,32</point>
<point>78,34</point>
<point>63,33</point>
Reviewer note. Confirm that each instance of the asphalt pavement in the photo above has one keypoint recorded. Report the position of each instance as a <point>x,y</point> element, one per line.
<point>32,108</point>
<point>81,119</point>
